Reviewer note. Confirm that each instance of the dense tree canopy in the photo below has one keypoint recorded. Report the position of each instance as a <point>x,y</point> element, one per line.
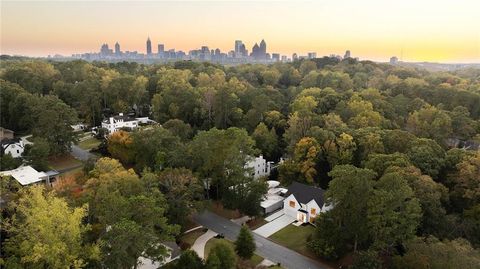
<point>395,147</point>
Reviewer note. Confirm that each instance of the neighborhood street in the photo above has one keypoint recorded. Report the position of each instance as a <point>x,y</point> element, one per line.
<point>288,259</point>
<point>81,154</point>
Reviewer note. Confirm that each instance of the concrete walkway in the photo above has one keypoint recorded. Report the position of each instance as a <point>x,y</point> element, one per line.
<point>199,245</point>
<point>274,226</point>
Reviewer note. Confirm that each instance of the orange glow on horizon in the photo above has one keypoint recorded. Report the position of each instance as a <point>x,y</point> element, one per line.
<point>437,31</point>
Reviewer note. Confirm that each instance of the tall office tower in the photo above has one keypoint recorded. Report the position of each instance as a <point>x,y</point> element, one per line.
<point>243,50</point>
<point>294,57</point>
<point>255,51</point>
<point>238,45</point>
<point>347,54</point>
<point>104,50</point>
<point>149,46</point>
<point>161,48</point>
<point>263,48</point>
<point>117,49</point>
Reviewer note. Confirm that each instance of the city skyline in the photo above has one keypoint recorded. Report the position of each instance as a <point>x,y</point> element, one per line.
<point>436,31</point>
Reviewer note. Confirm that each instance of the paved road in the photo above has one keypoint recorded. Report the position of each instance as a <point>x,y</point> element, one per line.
<point>288,258</point>
<point>81,154</point>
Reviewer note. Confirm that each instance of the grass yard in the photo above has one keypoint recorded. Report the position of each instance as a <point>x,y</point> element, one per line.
<point>77,172</point>
<point>255,260</point>
<point>295,238</point>
<point>63,162</point>
<point>89,143</point>
<point>187,240</point>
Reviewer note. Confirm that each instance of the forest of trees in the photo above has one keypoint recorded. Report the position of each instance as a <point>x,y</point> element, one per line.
<point>385,142</point>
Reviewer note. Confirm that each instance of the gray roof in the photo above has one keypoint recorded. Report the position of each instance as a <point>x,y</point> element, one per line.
<point>305,193</point>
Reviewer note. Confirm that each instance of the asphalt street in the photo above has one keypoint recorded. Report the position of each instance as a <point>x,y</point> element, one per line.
<point>287,258</point>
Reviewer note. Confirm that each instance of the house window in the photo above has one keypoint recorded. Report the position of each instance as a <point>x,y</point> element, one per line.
<point>313,211</point>
<point>292,203</point>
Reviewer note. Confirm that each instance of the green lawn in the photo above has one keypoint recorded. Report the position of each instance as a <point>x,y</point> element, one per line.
<point>189,238</point>
<point>89,143</point>
<point>294,238</point>
<point>63,162</point>
<point>254,260</point>
<point>77,172</point>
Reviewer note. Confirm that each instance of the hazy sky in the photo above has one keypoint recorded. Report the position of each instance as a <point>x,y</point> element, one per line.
<point>425,30</point>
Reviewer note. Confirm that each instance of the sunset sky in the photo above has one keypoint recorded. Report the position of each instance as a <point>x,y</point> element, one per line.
<point>425,30</point>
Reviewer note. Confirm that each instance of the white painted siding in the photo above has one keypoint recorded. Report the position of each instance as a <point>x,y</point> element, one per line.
<point>291,211</point>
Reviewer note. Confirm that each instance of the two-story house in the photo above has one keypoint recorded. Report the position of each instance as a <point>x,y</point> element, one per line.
<point>304,202</point>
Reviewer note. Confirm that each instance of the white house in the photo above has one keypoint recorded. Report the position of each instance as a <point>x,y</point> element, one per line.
<point>260,166</point>
<point>14,147</point>
<point>116,123</point>
<point>27,175</point>
<point>273,199</point>
<point>304,202</point>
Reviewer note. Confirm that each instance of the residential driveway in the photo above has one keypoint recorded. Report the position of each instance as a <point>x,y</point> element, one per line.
<point>288,258</point>
<point>81,154</point>
<point>199,245</point>
<point>274,226</point>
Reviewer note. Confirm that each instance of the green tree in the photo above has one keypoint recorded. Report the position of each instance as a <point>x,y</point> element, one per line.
<point>430,122</point>
<point>245,244</point>
<point>427,155</point>
<point>189,260</point>
<point>46,233</point>
<point>52,121</point>
<point>7,162</point>
<point>266,140</point>
<point>349,193</point>
<point>224,254</point>
<point>423,253</point>
<point>306,156</point>
<point>366,260</point>
<point>37,154</point>
<point>393,212</point>
<point>223,156</point>
<point>124,210</point>
<point>182,191</point>
<point>120,146</point>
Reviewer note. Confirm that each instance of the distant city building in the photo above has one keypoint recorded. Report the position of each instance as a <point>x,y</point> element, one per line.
<point>312,55</point>
<point>105,51</point>
<point>394,60</point>
<point>240,50</point>
<point>161,48</point>
<point>294,57</point>
<point>117,49</point>
<point>259,52</point>
<point>284,58</point>
<point>149,46</point>
<point>275,57</point>
<point>347,54</point>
